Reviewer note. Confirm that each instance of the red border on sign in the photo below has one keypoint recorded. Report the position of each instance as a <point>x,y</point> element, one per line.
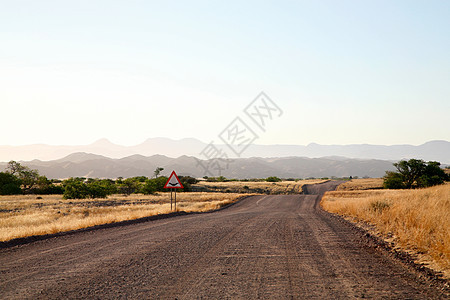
<point>173,187</point>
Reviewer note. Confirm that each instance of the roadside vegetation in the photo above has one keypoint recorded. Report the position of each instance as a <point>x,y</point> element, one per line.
<point>361,184</point>
<point>415,219</point>
<point>18,179</point>
<point>415,173</point>
<point>27,215</point>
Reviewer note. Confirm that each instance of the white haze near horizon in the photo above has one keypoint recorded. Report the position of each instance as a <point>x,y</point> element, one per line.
<point>343,72</point>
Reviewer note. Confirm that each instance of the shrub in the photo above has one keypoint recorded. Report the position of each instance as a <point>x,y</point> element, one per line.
<point>379,206</point>
<point>154,185</point>
<point>273,179</point>
<point>75,188</point>
<point>216,179</point>
<point>97,189</point>
<point>129,186</point>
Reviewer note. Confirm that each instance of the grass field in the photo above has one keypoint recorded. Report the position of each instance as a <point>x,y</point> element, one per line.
<point>22,216</point>
<point>417,221</point>
<point>361,184</point>
<point>263,187</point>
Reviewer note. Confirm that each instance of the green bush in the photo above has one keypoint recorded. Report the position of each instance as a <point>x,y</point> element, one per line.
<point>154,185</point>
<point>273,179</point>
<point>75,188</point>
<point>129,186</point>
<point>216,179</point>
<point>96,189</point>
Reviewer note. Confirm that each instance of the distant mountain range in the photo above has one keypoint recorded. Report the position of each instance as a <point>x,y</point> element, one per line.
<point>91,165</point>
<point>433,150</point>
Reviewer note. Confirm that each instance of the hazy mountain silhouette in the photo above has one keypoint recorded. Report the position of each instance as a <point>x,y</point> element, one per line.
<point>433,150</point>
<point>97,166</point>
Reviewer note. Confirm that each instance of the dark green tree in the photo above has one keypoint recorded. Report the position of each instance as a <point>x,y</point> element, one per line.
<point>410,170</point>
<point>415,173</point>
<point>9,184</point>
<point>393,180</point>
<point>44,186</point>
<point>433,175</point>
<point>14,168</point>
<point>27,176</point>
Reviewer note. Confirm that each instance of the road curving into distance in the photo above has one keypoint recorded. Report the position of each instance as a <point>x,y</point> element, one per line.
<point>269,247</point>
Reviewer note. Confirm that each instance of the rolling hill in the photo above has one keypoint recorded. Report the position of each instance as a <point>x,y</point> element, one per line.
<point>92,165</point>
<point>433,150</point>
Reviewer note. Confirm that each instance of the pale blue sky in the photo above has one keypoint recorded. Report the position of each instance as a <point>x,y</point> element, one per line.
<point>343,72</point>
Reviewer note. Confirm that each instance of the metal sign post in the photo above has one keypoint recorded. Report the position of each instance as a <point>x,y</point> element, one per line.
<point>173,183</point>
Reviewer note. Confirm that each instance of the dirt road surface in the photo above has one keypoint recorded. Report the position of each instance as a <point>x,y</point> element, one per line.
<point>266,247</point>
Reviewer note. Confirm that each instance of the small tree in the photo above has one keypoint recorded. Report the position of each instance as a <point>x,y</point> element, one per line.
<point>158,171</point>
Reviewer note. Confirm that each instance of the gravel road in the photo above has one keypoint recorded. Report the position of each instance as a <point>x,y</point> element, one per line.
<point>267,247</point>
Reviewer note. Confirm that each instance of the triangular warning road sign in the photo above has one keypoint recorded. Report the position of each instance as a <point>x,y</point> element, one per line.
<point>173,182</point>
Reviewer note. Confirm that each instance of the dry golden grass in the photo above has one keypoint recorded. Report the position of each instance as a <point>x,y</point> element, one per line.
<point>22,216</point>
<point>361,184</point>
<point>417,221</point>
<point>282,187</point>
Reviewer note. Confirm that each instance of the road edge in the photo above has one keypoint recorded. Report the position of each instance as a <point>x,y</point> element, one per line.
<point>433,277</point>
